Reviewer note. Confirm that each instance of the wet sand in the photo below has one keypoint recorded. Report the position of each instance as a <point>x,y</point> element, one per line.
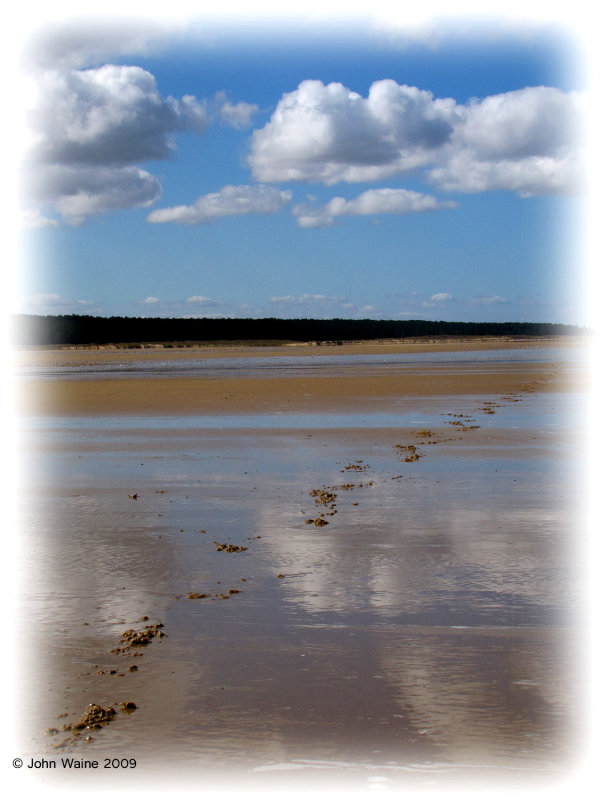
<point>343,387</point>
<point>425,630</point>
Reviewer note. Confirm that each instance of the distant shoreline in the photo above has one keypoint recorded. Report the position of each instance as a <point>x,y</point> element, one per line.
<point>89,330</point>
<point>411,342</point>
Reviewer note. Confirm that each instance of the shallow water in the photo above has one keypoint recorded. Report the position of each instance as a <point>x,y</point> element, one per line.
<point>285,366</point>
<point>430,625</point>
<point>548,411</point>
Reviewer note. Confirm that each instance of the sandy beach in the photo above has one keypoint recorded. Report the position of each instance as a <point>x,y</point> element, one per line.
<point>343,387</point>
<point>353,576</point>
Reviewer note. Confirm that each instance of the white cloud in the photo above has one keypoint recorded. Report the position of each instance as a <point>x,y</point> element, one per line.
<point>519,124</point>
<point>527,177</point>
<point>322,305</point>
<point>237,115</point>
<point>490,300</point>
<point>188,308</point>
<point>200,300</point>
<point>43,299</point>
<point>304,299</point>
<point>197,306</point>
<point>32,218</point>
<point>56,304</point>
<point>88,129</point>
<point>441,297</point>
<point>328,133</point>
<point>528,141</point>
<point>373,201</point>
<point>93,117</point>
<point>79,191</point>
<point>110,115</point>
<point>228,201</point>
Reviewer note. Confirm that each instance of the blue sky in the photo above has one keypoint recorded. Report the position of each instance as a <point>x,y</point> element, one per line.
<point>303,169</point>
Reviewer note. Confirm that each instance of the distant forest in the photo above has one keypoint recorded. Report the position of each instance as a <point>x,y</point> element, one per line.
<point>72,329</point>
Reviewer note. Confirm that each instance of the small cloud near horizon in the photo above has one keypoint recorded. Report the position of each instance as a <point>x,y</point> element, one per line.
<point>200,300</point>
<point>488,301</point>
<point>51,303</point>
<point>438,299</point>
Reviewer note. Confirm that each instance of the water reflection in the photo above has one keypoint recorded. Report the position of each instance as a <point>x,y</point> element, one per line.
<point>423,621</point>
<point>282,366</point>
<point>487,695</point>
<point>462,547</point>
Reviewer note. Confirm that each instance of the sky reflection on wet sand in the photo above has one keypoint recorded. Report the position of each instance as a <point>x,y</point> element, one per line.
<point>430,623</point>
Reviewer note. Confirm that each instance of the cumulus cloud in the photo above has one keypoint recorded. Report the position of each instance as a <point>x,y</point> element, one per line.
<point>441,297</point>
<point>341,306</point>
<point>519,124</point>
<point>527,177</point>
<point>373,201</point>
<point>188,308</point>
<point>323,305</point>
<point>438,299</point>
<point>528,141</point>
<point>89,127</point>
<point>32,218</point>
<point>303,299</point>
<point>444,299</point>
<point>237,115</point>
<point>228,201</point>
<point>104,118</point>
<point>52,303</point>
<point>110,115</point>
<point>77,191</point>
<point>329,133</point>
<point>201,300</point>
<point>488,300</point>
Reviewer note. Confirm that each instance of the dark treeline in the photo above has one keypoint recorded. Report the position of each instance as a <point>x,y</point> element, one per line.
<point>72,329</point>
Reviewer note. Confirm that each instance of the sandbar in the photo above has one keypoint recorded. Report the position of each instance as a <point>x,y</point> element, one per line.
<point>343,387</point>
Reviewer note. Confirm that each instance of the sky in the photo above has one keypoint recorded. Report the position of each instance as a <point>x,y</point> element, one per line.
<point>345,167</point>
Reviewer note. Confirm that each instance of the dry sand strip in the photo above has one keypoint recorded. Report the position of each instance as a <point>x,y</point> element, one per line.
<point>198,395</point>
